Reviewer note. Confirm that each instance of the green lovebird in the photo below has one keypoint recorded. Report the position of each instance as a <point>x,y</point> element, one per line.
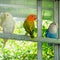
<point>29,24</point>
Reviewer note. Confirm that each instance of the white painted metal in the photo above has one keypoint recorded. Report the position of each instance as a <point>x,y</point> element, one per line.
<point>26,38</point>
<point>59,30</point>
<point>39,2</point>
<point>57,19</point>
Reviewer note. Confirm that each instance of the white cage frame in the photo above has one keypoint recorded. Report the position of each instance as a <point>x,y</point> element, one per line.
<point>40,39</point>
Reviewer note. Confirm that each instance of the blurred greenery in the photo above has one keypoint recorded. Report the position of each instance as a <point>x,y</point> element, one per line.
<point>22,50</point>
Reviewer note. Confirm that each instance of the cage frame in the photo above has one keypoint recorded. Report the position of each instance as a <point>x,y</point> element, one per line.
<point>40,39</point>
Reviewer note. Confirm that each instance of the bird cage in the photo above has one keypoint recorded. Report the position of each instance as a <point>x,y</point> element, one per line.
<point>20,9</point>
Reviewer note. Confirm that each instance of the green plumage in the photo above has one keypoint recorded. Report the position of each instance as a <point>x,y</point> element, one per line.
<point>29,27</point>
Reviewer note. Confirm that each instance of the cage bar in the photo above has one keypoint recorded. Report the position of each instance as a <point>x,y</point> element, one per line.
<point>39,46</point>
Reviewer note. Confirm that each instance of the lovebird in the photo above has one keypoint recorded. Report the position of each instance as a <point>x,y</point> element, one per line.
<point>29,24</point>
<point>8,24</point>
<point>52,30</point>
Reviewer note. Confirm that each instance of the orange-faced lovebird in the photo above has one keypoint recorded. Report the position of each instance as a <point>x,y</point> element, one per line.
<point>8,24</point>
<point>29,24</point>
<point>52,30</point>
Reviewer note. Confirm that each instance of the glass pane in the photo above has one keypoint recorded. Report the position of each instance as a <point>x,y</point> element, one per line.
<point>19,2</point>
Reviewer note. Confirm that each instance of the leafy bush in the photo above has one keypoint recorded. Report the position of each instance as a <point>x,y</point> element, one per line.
<point>22,50</point>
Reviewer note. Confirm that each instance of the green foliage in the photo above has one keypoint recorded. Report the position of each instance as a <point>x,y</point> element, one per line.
<point>45,26</point>
<point>22,50</point>
<point>47,51</point>
<point>19,50</point>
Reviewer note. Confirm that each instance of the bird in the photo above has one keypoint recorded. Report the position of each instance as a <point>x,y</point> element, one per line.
<point>8,24</point>
<point>52,31</point>
<point>29,24</point>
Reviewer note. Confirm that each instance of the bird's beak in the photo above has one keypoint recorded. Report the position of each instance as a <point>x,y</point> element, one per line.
<point>35,18</point>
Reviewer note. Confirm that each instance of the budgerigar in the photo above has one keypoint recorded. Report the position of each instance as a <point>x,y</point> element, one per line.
<point>52,31</point>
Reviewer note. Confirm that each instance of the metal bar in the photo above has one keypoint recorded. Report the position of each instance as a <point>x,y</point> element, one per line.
<point>45,8</point>
<point>49,0</point>
<point>56,18</point>
<point>16,37</point>
<point>26,38</point>
<point>23,6</point>
<point>59,28</point>
<point>18,6</point>
<point>39,46</point>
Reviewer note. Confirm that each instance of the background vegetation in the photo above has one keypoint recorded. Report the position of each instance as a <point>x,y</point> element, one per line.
<point>22,50</point>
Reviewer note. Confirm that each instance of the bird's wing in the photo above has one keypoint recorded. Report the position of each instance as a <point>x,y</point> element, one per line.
<point>46,32</point>
<point>8,26</point>
<point>29,26</point>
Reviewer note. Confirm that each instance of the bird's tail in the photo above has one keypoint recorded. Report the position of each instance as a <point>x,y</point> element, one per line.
<point>4,42</point>
<point>32,35</point>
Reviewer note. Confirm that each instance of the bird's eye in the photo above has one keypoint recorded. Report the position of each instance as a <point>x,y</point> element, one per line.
<point>54,23</point>
<point>32,16</point>
<point>7,15</point>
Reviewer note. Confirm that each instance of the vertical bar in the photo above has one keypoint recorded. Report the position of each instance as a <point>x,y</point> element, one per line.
<point>57,19</point>
<point>39,3</point>
<point>59,28</point>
